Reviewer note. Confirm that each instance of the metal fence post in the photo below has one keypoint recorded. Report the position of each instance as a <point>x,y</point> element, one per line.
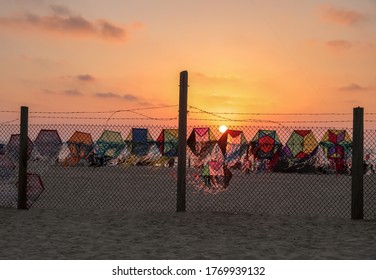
<point>357,169</point>
<point>182,147</point>
<point>22,171</point>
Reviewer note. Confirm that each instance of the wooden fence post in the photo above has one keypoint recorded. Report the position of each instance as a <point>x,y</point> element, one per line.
<point>357,168</point>
<point>22,171</point>
<point>182,147</point>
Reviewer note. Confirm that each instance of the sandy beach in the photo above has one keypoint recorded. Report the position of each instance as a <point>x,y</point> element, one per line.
<point>100,234</point>
<point>130,213</point>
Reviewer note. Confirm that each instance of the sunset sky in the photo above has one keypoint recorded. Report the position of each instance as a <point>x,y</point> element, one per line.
<point>243,56</point>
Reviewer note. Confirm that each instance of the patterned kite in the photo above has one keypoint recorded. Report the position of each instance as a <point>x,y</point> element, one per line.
<point>301,144</point>
<point>264,148</point>
<point>337,148</point>
<point>34,188</point>
<point>265,144</point>
<point>139,141</point>
<point>201,141</point>
<point>109,144</point>
<point>48,143</point>
<point>336,143</point>
<point>2,148</point>
<point>138,148</point>
<point>233,145</point>
<point>13,147</point>
<point>167,142</point>
<point>80,145</point>
<point>6,167</point>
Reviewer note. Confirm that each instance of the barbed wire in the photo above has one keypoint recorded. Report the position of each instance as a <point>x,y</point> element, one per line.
<point>8,111</point>
<point>97,118</point>
<point>234,120</point>
<point>279,122</point>
<point>92,112</point>
<point>275,114</point>
<point>200,111</point>
<point>9,121</point>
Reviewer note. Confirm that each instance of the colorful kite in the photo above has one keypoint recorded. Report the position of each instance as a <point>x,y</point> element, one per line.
<point>109,144</point>
<point>80,145</point>
<point>201,141</point>
<point>336,143</point>
<point>6,167</point>
<point>13,147</point>
<point>48,143</point>
<point>139,141</point>
<point>138,148</point>
<point>167,142</point>
<point>337,148</point>
<point>301,144</point>
<point>34,188</point>
<point>233,145</point>
<point>2,148</point>
<point>216,177</point>
<point>263,152</point>
<point>265,144</point>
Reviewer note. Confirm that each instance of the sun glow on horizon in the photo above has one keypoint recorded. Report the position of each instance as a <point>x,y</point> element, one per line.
<point>223,128</point>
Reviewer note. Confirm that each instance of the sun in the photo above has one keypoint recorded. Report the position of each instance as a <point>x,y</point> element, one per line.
<point>222,128</point>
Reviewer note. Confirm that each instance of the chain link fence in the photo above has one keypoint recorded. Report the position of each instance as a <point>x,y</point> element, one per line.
<point>370,174</point>
<point>263,170</point>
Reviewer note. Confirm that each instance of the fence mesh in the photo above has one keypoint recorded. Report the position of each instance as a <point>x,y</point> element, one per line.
<point>370,174</point>
<point>263,170</point>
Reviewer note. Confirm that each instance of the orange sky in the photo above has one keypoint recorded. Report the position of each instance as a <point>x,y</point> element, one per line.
<point>243,56</point>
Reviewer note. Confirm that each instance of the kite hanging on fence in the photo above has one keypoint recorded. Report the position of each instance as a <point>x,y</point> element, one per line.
<point>34,188</point>
<point>2,148</point>
<point>138,145</point>
<point>216,177</point>
<point>200,142</point>
<point>265,144</point>
<point>48,143</point>
<point>6,167</point>
<point>299,152</point>
<point>264,147</point>
<point>167,142</point>
<point>337,148</point>
<point>233,145</point>
<point>13,147</point>
<point>80,145</point>
<point>108,146</point>
<point>301,144</point>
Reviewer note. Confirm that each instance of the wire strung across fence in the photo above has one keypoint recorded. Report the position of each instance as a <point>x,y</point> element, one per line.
<point>261,170</point>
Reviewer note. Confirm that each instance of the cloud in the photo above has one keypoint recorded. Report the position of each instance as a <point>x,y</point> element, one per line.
<point>338,45</point>
<point>344,17</point>
<point>108,30</point>
<point>107,95</point>
<point>85,78</point>
<point>71,92</point>
<point>62,22</point>
<point>353,88</point>
<point>130,97</point>
<point>48,91</point>
<point>68,92</point>
<point>111,95</point>
<point>61,10</point>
